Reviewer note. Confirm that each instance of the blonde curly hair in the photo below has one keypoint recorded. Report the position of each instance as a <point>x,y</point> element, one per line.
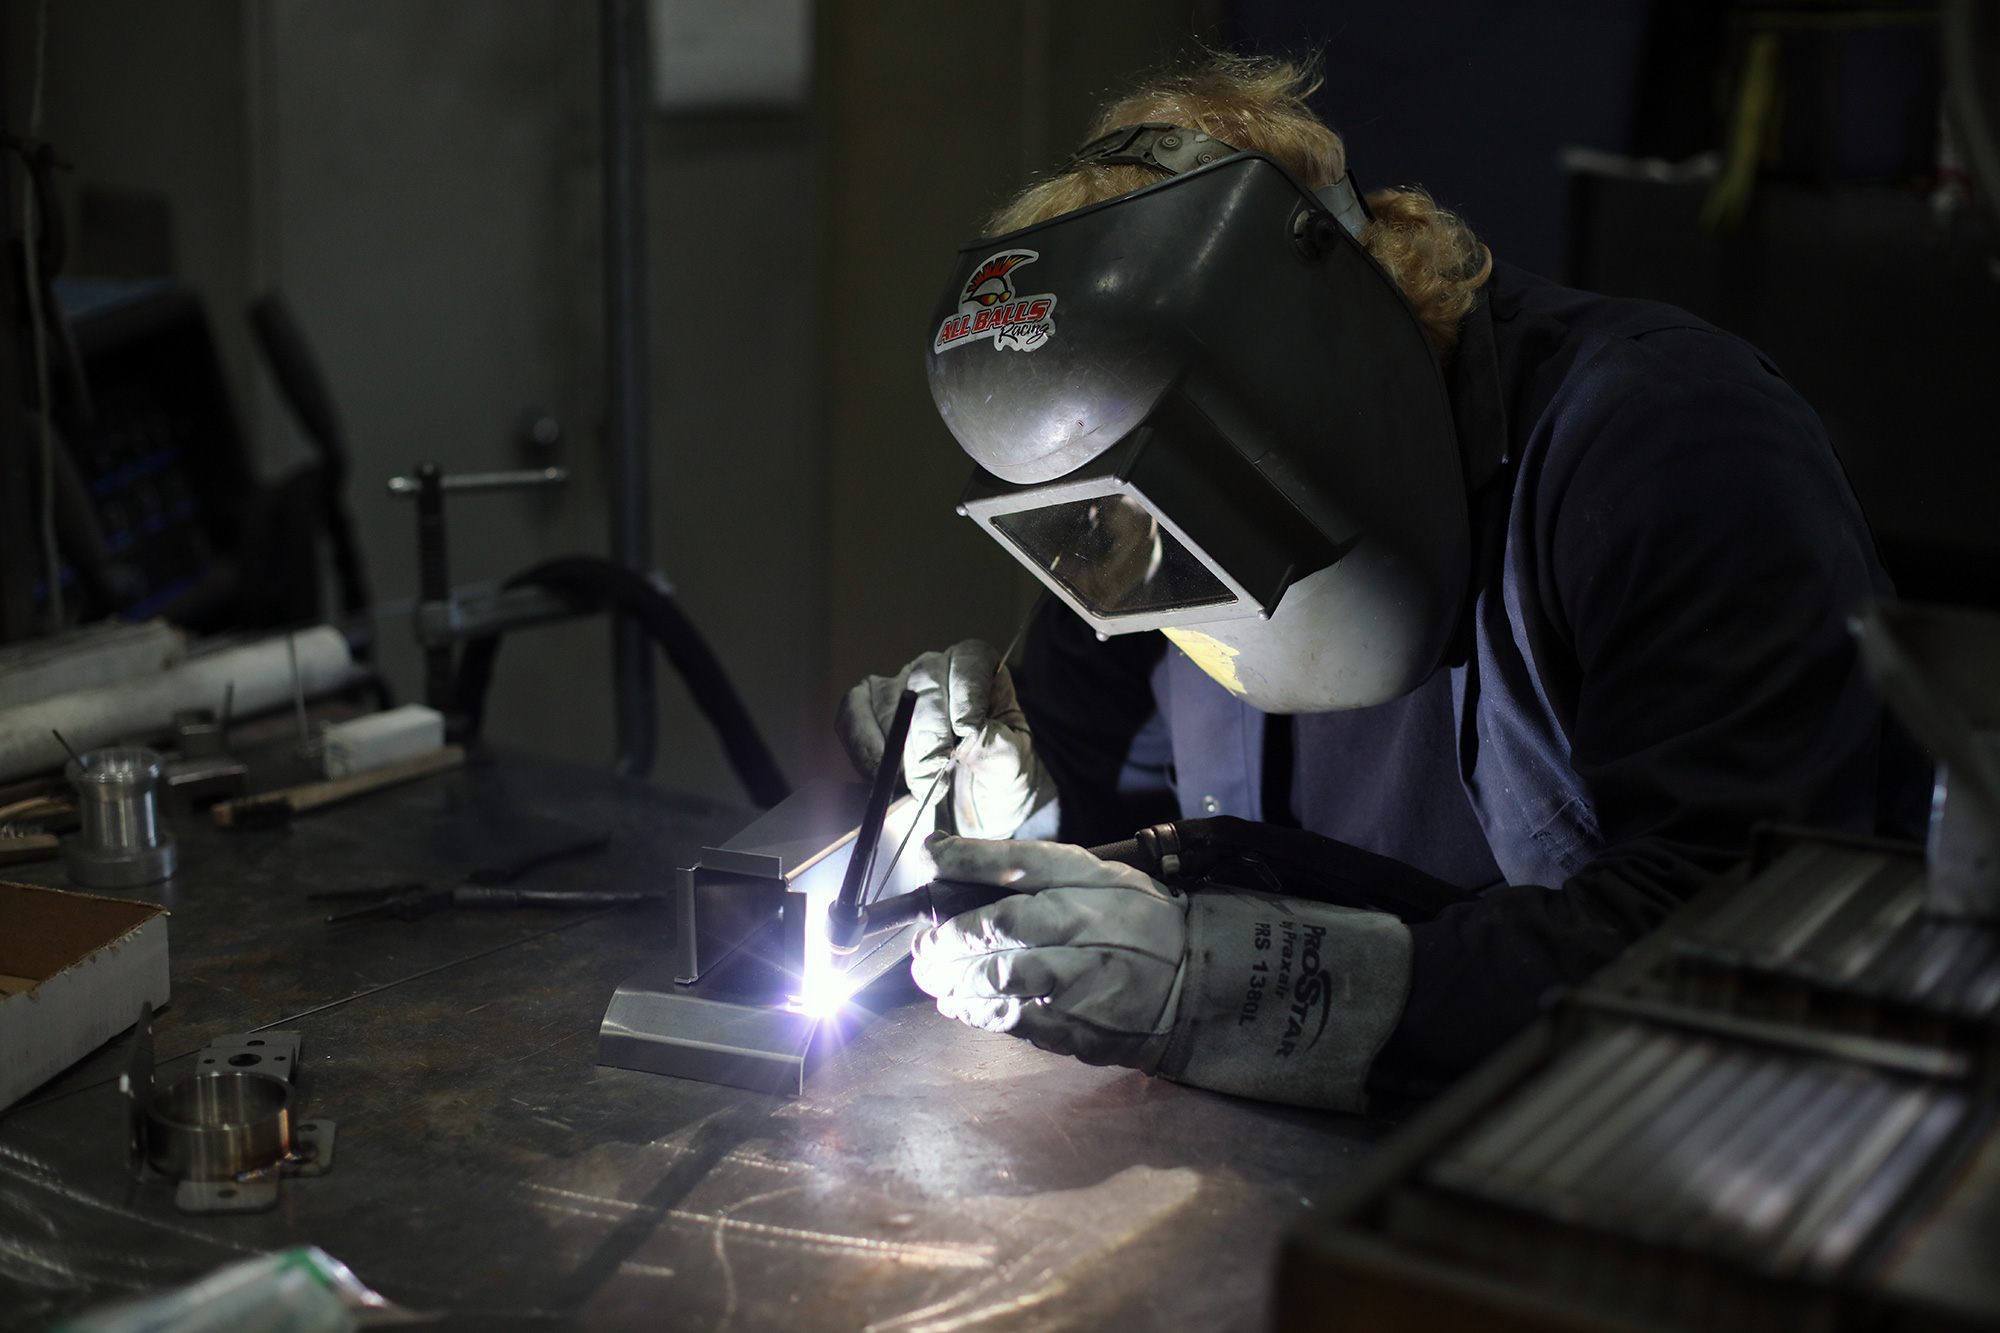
<point>1259,104</point>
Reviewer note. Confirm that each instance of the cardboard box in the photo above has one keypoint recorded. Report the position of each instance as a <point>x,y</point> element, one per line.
<point>74,969</point>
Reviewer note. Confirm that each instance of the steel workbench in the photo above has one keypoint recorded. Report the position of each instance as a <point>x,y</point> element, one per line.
<point>933,1177</point>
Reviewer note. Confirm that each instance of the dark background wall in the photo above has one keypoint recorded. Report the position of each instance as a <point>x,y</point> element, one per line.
<point>1872,288</point>
<point>421,181</point>
<point>1472,99</point>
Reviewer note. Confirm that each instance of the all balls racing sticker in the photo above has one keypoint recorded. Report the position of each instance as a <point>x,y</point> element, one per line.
<point>989,307</point>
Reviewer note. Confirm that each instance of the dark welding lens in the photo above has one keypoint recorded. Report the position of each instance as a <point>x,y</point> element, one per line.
<point>1113,556</point>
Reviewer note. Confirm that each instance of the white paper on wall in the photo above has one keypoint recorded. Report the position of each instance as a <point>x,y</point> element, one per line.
<point>722,55</point>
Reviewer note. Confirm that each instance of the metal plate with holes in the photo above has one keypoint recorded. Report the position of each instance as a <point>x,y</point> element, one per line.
<point>310,1154</point>
<point>225,1196</point>
<point>273,1053</point>
<point>312,1148</point>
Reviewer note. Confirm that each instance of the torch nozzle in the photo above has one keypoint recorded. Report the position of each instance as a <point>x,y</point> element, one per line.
<point>844,927</point>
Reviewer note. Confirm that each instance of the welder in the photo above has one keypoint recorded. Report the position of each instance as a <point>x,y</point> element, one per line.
<point>1349,526</point>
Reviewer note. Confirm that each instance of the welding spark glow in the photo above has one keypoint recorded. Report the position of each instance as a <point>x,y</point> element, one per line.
<point>824,986</point>
<point>825,981</point>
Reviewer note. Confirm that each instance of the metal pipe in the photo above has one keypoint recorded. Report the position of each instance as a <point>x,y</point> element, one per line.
<point>627,435</point>
<point>219,1126</point>
<point>434,583</point>
<point>122,844</point>
<point>485,481</point>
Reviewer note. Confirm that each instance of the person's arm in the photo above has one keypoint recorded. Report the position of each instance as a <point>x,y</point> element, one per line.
<point>1697,551</point>
<point>1086,700</point>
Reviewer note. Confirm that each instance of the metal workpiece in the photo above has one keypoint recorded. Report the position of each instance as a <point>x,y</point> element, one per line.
<point>205,771</point>
<point>801,846</point>
<point>190,784</point>
<point>745,1025</point>
<point>228,1134</point>
<point>219,1126</point>
<point>657,1025</point>
<point>754,991</point>
<point>275,1054</point>
<point>121,844</point>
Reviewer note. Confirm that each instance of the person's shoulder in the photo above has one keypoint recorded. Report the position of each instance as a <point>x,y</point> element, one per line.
<point>1559,342</point>
<point>1622,400</point>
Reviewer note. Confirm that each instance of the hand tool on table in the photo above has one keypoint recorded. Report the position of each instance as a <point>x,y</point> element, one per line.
<point>41,814</point>
<point>275,809</point>
<point>21,848</point>
<point>412,901</point>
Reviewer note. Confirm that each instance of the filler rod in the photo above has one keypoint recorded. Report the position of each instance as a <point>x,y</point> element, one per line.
<point>846,919</point>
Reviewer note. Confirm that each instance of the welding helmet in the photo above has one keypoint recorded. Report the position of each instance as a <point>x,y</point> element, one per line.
<point>1202,407</point>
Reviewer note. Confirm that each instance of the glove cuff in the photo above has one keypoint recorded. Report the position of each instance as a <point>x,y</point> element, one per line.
<point>1286,1000</point>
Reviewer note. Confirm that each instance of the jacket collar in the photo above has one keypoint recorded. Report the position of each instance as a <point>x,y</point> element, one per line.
<point>1478,408</point>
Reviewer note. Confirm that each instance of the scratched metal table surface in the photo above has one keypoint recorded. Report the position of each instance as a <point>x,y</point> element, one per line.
<point>932,1178</point>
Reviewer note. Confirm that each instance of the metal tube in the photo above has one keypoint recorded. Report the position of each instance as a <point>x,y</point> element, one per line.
<point>434,583</point>
<point>524,479</point>
<point>121,845</point>
<point>219,1126</point>
<point>631,492</point>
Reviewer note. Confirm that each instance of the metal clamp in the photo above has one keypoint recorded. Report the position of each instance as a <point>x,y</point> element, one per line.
<point>474,615</point>
<point>1155,143</point>
<point>523,479</point>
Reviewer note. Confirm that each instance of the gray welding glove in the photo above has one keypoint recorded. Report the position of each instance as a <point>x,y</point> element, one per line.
<point>1245,993</point>
<point>965,706</point>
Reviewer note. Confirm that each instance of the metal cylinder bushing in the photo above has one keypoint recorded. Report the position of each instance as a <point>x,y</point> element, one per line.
<point>219,1126</point>
<point>121,845</point>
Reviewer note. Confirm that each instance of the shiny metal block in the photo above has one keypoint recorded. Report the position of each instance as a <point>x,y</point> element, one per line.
<point>750,993</point>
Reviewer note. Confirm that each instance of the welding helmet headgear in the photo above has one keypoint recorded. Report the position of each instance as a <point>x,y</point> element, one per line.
<point>1202,407</point>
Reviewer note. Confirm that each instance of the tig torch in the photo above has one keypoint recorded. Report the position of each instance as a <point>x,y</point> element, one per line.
<point>1155,850</point>
<point>1242,852</point>
<point>847,919</point>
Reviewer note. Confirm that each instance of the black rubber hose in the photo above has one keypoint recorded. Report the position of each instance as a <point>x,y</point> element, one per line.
<point>591,583</point>
<point>1223,852</point>
<point>1242,853</point>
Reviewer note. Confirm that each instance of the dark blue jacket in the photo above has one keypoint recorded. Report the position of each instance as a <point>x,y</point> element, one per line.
<point>1655,659</point>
